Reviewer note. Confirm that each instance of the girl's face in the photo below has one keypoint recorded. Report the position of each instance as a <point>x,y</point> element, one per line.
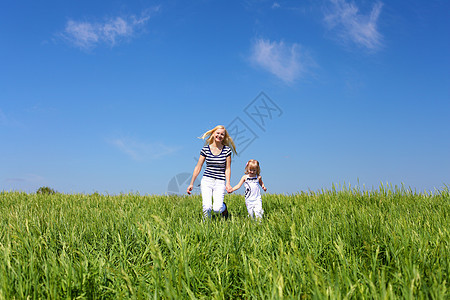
<point>219,135</point>
<point>252,171</point>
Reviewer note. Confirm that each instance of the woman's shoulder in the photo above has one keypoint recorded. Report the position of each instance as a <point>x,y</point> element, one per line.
<point>205,150</point>
<point>226,149</point>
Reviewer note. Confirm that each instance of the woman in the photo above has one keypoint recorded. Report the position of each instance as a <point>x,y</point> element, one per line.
<point>216,178</point>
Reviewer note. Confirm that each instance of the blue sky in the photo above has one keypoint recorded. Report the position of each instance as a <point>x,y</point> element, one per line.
<point>110,96</point>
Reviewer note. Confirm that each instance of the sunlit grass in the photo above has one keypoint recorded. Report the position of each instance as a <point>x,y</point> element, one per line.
<point>387,243</point>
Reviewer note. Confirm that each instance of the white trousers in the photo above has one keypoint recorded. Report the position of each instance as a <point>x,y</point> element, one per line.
<point>212,189</point>
<point>254,208</point>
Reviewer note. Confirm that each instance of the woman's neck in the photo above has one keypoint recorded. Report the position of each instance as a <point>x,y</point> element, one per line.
<point>216,144</point>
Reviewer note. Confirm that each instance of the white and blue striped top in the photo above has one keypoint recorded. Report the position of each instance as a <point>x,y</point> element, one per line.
<point>215,164</point>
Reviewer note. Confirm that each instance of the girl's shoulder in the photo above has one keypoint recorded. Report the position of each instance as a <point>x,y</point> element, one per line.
<point>244,178</point>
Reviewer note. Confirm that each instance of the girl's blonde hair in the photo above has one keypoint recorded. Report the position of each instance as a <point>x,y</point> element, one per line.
<point>253,163</point>
<point>227,140</point>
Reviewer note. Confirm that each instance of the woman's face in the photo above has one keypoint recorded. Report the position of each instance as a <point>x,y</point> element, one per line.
<point>219,135</point>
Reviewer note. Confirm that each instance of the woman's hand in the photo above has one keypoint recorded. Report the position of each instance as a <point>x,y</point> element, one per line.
<point>189,189</point>
<point>229,188</point>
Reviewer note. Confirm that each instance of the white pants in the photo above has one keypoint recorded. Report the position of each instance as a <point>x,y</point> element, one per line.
<point>254,208</point>
<point>212,189</point>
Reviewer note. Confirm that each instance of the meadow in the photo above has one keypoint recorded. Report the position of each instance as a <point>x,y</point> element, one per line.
<point>340,243</point>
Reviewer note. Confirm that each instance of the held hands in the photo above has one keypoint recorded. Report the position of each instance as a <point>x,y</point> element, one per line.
<point>229,188</point>
<point>264,188</point>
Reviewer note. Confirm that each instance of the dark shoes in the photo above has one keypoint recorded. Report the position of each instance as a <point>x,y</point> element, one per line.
<point>225,214</point>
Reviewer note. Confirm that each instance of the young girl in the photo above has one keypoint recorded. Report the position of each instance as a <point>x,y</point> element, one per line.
<point>216,178</point>
<point>252,180</point>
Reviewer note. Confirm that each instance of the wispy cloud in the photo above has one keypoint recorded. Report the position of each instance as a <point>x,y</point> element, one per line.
<point>287,62</point>
<point>142,151</point>
<point>345,19</point>
<point>88,35</point>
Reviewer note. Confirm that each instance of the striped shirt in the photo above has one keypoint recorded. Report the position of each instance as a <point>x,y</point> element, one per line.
<point>215,164</point>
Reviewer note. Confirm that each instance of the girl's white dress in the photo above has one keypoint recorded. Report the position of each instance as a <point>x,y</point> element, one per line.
<point>253,199</point>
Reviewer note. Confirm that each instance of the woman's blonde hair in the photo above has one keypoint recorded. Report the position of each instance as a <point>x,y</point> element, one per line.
<point>253,163</point>
<point>227,140</point>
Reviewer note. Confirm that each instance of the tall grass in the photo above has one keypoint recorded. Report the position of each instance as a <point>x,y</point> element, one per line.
<point>348,243</point>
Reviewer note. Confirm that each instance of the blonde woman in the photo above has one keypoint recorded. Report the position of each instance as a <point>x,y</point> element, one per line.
<point>216,177</point>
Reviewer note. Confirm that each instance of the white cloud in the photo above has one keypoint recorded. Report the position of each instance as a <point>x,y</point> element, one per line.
<point>350,25</point>
<point>287,62</point>
<point>141,151</point>
<point>88,35</point>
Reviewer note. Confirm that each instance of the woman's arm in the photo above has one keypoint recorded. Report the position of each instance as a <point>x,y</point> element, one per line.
<point>237,186</point>
<point>228,175</point>
<point>197,170</point>
<point>261,183</point>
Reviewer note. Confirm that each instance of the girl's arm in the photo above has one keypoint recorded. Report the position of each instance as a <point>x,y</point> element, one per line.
<point>261,183</point>
<point>228,175</point>
<point>237,186</point>
<point>197,170</point>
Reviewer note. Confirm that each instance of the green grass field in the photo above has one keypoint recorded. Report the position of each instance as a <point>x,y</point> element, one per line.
<point>382,244</point>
